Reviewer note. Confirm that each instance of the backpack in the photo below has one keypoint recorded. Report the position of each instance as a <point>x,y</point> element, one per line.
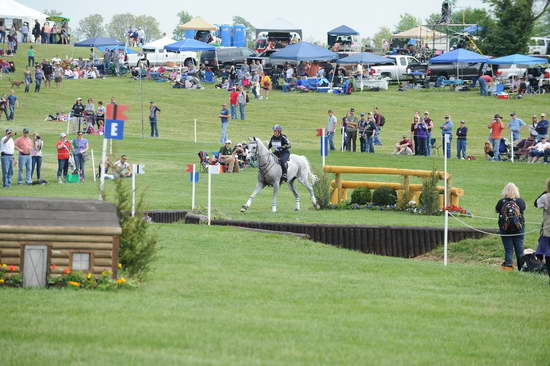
<point>382,120</point>
<point>509,218</point>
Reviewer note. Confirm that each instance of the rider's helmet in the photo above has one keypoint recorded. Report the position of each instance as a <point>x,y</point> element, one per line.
<point>277,128</point>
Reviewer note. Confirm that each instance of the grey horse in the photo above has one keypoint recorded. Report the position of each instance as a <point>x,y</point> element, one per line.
<point>270,174</point>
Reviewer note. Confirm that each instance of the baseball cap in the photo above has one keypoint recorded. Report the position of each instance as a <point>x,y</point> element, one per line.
<point>513,114</point>
<point>62,134</point>
<point>362,113</point>
<point>462,121</point>
<point>25,130</point>
<point>446,116</point>
<point>9,130</point>
<point>227,141</point>
<point>497,116</point>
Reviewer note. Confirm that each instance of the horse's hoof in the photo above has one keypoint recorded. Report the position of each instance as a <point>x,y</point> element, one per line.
<point>243,209</point>
<point>317,207</point>
<point>296,209</point>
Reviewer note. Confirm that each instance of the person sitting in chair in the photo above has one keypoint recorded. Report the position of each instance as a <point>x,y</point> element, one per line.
<point>121,168</point>
<point>281,146</point>
<point>404,147</point>
<point>228,157</point>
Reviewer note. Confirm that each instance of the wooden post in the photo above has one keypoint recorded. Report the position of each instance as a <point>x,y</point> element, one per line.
<point>338,180</point>
<point>406,187</point>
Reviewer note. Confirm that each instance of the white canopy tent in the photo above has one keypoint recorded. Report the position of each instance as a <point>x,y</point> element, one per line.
<point>11,9</point>
<point>159,43</point>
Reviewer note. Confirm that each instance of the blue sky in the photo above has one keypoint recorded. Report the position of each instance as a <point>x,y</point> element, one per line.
<point>315,18</point>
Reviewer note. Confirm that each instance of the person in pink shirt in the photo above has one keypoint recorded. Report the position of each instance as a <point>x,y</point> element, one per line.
<point>233,100</point>
<point>496,126</point>
<point>24,145</point>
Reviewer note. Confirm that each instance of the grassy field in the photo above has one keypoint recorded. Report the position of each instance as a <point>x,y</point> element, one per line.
<point>265,299</point>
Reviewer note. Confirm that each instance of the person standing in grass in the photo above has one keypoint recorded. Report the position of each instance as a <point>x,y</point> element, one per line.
<point>12,102</point>
<point>31,54</point>
<point>233,100</point>
<point>224,119</point>
<point>153,118</point>
<point>58,73</point>
<point>242,99</point>
<point>511,222</point>
<point>543,249</point>
<point>496,126</point>
<point>331,128</point>
<point>515,125</point>
<point>266,86</point>
<point>27,78</point>
<point>24,146</point>
<point>77,111</point>
<point>64,149</point>
<point>461,141</point>
<point>36,155</point>
<point>7,149</point>
<point>447,131</point>
<point>38,77</point>
<point>80,145</point>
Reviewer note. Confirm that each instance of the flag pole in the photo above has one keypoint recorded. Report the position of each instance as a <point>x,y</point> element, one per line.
<point>446,234</point>
<point>193,194</point>
<point>134,170</point>
<point>209,194</point>
<point>102,170</point>
<point>93,164</point>
<point>323,147</point>
<point>512,145</point>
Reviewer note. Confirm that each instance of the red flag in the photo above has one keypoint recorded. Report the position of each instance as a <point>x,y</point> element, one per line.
<point>189,168</point>
<point>117,112</point>
<point>319,132</point>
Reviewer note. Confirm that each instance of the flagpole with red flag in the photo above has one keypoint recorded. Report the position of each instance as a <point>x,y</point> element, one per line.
<point>321,132</point>
<point>191,169</point>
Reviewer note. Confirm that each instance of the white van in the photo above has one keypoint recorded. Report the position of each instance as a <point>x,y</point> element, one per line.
<point>159,56</point>
<point>539,46</point>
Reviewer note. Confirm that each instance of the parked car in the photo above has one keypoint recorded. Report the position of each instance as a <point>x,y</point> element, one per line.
<point>157,57</point>
<point>509,71</point>
<point>225,56</point>
<point>539,46</point>
<point>398,70</point>
<point>466,71</point>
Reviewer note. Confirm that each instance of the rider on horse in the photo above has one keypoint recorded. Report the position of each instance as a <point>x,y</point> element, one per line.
<point>281,146</point>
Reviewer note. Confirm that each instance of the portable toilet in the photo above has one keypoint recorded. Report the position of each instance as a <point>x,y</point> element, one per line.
<point>226,34</point>
<point>190,34</point>
<point>239,35</point>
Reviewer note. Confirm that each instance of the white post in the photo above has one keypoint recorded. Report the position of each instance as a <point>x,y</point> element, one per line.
<point>193,192</point>
<point>209,195</point>
<point>446,234</point>
<point>512,144</point>
<point>68,125</point>
<point>195,129</point>
<point>343,130</point>
<point>323,147</point>
<point>93,164</point>
<point>110,146</point>
<point>134,170</point>
<point>102,172</point>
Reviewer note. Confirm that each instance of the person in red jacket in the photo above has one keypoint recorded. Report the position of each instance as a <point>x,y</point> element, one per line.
<point>496,126</point>
<point>64,148</point>
<point>233,100</point>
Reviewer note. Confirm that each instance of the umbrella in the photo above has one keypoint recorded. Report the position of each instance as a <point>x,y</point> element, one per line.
<point>304,51</point>
<point>188,44</point>
<point>518,59</point>
<point>365,58</point>
<point>126,49</point>
<point>98,42</point>
<point>56,18</point>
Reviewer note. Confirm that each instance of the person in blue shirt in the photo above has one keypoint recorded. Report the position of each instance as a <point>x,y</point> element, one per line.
<point>224,119</point>
<point>542,127</point>
<point>447,130</point>
<point>515,125</point>
<point>12,101</point>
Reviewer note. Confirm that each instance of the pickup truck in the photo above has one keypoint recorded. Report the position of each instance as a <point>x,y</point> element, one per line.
<point>466,71</point>
<point>157,57</point>
<point>398,70</point>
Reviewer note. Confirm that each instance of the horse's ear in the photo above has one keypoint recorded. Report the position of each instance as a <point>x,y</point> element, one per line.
<point>254,138</point>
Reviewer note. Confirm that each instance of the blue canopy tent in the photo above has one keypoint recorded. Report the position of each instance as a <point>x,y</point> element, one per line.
<point>98,42</point>
<point>304,51</point>
<point>517,59</point>
<point>126,49</point>
<point>365,58</point>
<point>343,30</point>
<point>472,29</point>
<point>188,44</point>
<point>460,55</point>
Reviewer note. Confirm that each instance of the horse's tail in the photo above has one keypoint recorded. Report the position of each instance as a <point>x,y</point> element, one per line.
<point>311,178</point>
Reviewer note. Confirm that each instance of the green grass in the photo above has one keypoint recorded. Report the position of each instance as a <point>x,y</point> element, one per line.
<point>225,296</point>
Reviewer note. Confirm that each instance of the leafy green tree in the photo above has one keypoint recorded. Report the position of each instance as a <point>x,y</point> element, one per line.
<point>150,25</point>
<point>514,24</point>
<point>250,29</point>
<point>406,22</point>
<point>542,26</point>
<point>183,17</point>
<point>91,26</point>
<point>384,33</point>
<point>119,25</point>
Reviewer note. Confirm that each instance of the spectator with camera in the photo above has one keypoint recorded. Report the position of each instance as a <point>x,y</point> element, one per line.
<point>7,149</point>
<point>24,145</point>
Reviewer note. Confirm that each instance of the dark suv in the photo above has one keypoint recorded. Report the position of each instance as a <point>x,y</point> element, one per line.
<point>225,56</point>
